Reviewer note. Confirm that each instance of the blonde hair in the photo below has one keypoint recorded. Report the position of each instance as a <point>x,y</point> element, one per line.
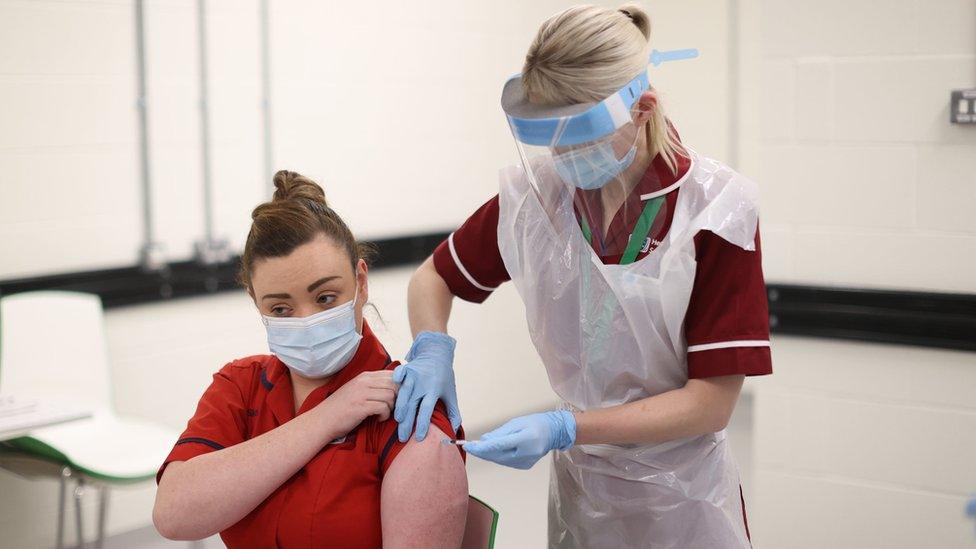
<point>585,54</point>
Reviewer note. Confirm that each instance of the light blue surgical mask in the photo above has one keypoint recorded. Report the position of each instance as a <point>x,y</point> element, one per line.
<point>315,346</point>
<point>593,166</point>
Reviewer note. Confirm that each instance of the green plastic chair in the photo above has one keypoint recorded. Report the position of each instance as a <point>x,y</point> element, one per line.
<point>479,531</point>
<point>52,348</point>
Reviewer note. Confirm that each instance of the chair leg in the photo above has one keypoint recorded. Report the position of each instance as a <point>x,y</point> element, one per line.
<point>79,492</point>
<point>102,515</point>
<point>62,505</point>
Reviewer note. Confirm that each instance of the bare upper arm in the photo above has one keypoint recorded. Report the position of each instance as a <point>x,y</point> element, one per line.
<point>170,467</point>
<point>424,497</point>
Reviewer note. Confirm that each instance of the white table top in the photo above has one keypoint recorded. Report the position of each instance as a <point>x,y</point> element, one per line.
<point>18,417</point>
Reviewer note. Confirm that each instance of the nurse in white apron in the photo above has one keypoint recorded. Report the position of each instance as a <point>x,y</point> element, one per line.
<point>620,241</point>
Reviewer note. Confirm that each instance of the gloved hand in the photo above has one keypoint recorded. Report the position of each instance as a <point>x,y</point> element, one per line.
<point>524,440</point>
<point>427,376</point>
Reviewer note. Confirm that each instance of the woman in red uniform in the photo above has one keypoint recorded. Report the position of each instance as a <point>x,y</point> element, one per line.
<point>298,448</point>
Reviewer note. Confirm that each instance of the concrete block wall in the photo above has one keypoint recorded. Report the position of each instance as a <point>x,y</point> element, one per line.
<point>863,445</point>
<point>70,191</point>
<point>393,107</point>
<point>864,183</point>
<point>845,124</point>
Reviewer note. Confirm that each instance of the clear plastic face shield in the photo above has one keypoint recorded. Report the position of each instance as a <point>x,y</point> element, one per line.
<point>588,157</point>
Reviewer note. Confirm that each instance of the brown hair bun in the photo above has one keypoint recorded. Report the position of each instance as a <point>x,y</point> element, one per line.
<point>296,214</point>
<point>295,186</point>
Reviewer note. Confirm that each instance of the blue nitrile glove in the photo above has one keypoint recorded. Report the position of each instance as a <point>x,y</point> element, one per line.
<point>428,376</point>
<point>524,440</point>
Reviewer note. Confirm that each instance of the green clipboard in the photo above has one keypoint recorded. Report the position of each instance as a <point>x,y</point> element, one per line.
<point>479,531</point>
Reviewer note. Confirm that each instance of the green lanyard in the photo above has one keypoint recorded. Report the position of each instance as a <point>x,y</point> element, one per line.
<point>642,229</point>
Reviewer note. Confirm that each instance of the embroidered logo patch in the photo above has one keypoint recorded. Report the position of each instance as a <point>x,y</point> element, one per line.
<point>647,245</point>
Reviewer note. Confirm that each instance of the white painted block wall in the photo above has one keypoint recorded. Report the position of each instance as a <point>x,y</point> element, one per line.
<point>393,107</point>
<point>866,184</point>
<point>845,125</point>
<point>864,445</point>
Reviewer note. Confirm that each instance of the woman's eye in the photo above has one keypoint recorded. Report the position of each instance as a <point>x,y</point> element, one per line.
<point>326,299</point>
<point>279,311</point>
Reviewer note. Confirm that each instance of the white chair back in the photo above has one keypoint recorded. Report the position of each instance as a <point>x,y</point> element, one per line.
<point>52,347</point>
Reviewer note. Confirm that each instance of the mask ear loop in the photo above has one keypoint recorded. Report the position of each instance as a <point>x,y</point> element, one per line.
<point>646,128</point>
<point>633,144</point>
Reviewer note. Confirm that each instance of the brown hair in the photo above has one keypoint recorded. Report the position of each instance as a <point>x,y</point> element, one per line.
<point>296,214</point>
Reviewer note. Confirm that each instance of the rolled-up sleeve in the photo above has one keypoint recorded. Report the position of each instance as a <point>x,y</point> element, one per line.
<point>469,260</point>
<point>727,323</point>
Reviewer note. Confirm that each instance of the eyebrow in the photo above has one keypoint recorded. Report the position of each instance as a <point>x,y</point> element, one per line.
<point>310,288</point>
<point>320,282</point>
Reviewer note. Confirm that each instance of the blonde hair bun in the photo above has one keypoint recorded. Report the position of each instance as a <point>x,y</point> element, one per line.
<point>586,53</point>
<point>639,17</point>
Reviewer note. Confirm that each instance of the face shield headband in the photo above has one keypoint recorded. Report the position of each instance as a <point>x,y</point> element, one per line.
<point>574,124</point>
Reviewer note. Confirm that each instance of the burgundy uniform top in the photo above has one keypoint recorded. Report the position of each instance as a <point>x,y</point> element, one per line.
<point>727,323</point>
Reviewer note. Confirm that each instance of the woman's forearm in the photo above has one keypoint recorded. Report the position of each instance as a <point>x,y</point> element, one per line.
<point>428,300</point>
<point>204,495</point>
<point>702,406</point>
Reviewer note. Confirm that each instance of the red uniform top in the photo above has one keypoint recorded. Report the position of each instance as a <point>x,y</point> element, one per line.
<point>727,323</point>
<point>335,499</point>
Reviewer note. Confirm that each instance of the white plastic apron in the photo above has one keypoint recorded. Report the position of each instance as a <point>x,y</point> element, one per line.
<point>611,334</point>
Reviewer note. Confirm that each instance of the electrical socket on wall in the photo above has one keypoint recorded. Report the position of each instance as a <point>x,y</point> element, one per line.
<point>962,107</point>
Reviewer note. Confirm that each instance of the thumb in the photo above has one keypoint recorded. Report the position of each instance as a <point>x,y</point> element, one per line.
<point>475,448</point>
<point>480,448</point>
<point>399,373</point>
<point>454,415</point>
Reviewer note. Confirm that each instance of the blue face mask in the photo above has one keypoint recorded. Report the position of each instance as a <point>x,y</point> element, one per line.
<point>593,166</point>
<point>315,346</point>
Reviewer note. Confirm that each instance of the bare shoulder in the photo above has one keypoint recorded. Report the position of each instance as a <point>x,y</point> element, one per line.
<point>431,452</point>
<point>424,495</point>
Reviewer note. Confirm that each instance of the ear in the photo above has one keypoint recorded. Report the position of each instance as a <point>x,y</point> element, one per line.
<point>645,106</point>
<point>362,279</point>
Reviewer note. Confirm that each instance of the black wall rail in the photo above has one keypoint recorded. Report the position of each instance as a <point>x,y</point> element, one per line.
<point>939,320</point>
<point>133,285</point>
